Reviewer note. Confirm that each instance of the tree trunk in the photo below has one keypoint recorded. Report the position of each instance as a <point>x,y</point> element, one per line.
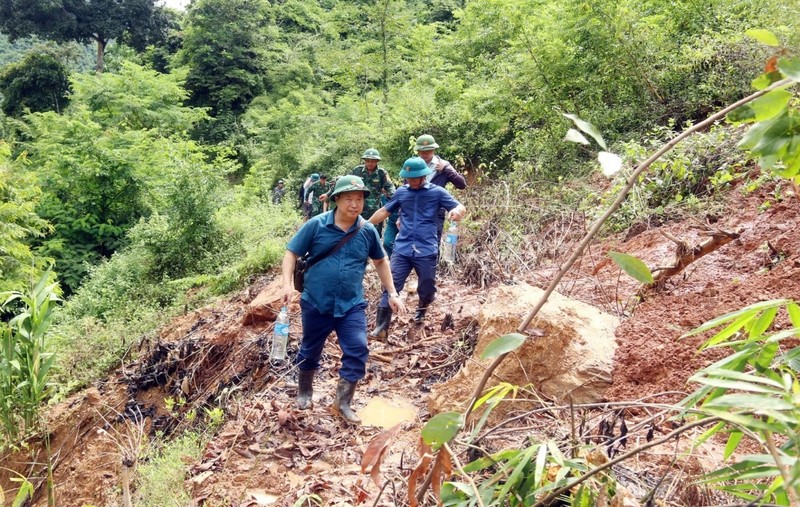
<point>101,51</point>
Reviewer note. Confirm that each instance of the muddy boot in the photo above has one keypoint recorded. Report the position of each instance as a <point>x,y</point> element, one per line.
<point>344,396</point>
<point>383,319</point>
<point>305,388</point>
<point>419,317</point>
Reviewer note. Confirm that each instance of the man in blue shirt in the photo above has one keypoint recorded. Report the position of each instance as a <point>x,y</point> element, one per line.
<point>333,293</point>
<point>416,246</point>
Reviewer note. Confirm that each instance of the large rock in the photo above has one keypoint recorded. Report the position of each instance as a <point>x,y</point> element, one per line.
<point>573,358</point>
<point>266,305</point>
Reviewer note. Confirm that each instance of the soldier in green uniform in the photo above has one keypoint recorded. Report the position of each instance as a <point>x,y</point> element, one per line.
<point>377,180</point>
<point>313,194</point>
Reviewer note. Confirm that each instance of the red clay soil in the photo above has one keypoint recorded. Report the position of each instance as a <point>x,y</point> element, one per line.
<point>267,450</point>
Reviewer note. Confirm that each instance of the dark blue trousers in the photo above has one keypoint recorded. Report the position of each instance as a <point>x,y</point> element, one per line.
<point>351,329</point>
<point>425,268</point>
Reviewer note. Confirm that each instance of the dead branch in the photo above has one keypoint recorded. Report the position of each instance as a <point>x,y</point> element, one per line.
<point>684,255</point>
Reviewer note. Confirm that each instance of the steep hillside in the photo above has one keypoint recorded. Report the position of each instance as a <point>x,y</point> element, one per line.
<point>268,453</point>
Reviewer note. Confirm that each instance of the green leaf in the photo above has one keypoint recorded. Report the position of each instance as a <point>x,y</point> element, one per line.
<point>541,462</point>
<point>760,325</point>
<point>574,136</point>
<point>763,81</point>
<point>763,36</point>
<point>733,443</point>
<point>747,310</point>
<point>587,127</point>
<point>442,428</point>
<point>763,108</point>
<point>790,67</point>
<point>634,267</point>
<point>733,384</point>
<point>503,345</point>
<point>750,402</point>
<point>487,461</point>
<point>794,313</point>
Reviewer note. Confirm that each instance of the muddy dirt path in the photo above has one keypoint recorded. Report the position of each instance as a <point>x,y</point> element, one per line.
<point>268,453</point>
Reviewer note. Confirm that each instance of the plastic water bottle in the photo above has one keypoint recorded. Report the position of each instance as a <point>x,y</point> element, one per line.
<point>281,336</point>
<point>450,242</point>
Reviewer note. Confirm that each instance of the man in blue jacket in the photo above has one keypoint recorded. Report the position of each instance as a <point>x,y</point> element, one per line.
<point>333,292</point>
<point>416,246</point>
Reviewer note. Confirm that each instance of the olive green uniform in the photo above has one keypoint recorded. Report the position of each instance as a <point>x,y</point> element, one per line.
<point>378,184</point>
<point>314,191</point>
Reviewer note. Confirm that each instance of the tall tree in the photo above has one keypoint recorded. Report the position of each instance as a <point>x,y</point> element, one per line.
<point>222,50</point>
<point>83,21</point>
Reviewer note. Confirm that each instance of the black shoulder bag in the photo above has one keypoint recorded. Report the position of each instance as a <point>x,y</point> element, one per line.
<point>303,263</point>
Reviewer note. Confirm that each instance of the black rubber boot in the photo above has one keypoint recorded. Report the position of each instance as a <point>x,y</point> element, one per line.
<point>419,317</point>
<point>344,396</point>
<point>383,320</point>
<point>305,389</point>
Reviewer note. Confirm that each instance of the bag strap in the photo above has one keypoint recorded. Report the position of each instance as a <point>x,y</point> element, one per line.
<point>339,245</point>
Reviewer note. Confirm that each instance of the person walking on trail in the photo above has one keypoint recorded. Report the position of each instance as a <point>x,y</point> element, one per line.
<point>333,293</point>
<point>303,189</point>
<point>416,247</point>
<point>442,174</point>
<point>317,189</point>
<point>278,192</point>
<point>377,181</point>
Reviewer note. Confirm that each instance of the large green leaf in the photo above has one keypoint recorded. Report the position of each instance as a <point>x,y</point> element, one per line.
<point>634,267</point>
<point>790,68</point>
<point>763,108</point>
<point>442,428</point>
<point>763,36</point>
<point>502,345</point>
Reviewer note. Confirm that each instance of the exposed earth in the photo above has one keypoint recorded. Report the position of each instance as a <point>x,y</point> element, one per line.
<point>266,452</point>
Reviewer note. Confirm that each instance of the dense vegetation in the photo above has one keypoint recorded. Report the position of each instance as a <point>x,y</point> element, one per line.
<point>154,176</point>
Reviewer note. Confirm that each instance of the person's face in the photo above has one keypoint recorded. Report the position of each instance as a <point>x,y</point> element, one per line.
<point>323,180</point>
<point>426,155</point>
<point>416,183</point>
<point>370,164</point>
<point>350,204</point>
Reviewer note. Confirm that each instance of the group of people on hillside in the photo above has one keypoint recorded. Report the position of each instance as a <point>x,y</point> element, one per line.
<point>345,238</point>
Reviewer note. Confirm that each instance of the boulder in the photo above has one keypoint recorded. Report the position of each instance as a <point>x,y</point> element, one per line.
<point>573,357</point>
<point>266,305</point>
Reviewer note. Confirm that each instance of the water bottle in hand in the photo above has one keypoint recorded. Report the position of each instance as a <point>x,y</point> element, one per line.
<point>280,337</point>
<point>450,241</point>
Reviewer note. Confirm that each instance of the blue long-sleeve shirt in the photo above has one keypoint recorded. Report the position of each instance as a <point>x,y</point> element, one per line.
<point>419,210</point>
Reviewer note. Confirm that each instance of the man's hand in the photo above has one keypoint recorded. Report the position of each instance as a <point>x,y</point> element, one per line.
<point>286,294</point>
<point>323,197</point>
<point>456,215</point>
<point>397,305</point>
<point>439,165</point>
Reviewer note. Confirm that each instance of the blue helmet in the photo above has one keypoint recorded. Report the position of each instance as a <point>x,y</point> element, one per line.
<point>314,177</point>
<point>415,167</point>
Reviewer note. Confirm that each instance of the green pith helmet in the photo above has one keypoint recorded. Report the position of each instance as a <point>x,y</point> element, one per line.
<point>314,177</point>
<point>371,154</point>
<point>349,184</point>
<point>415,167</point>
<point>426,142</point>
